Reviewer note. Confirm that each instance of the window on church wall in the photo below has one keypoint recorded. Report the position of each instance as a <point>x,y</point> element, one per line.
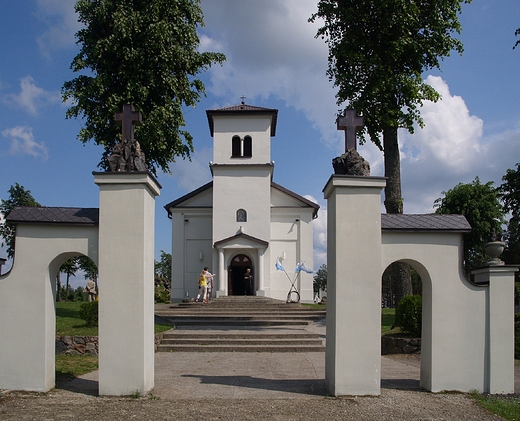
<point>248,146</point>
<point>236,147</point>
<point>241,215</point>
<point>241,148</point>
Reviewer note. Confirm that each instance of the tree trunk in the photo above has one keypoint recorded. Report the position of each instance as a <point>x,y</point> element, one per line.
<point>67,288</point>
<point>58,287</point>
<point>400,272</point>
<point>393,196</point>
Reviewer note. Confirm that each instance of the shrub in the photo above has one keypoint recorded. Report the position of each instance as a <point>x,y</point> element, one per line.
<point>408,315</point>
<point>89,313</point>
<point>162,294</point>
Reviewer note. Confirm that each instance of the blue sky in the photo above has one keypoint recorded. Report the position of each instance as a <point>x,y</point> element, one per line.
<point>274,61</point>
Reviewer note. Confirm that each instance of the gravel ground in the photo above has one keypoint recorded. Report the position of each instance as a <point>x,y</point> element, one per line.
<point>186,387</point>
<point>391,405</point>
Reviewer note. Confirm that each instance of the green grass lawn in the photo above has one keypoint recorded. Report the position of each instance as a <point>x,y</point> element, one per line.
<point>387,319</point>
<point>506,407</point>
<point>68,322</point>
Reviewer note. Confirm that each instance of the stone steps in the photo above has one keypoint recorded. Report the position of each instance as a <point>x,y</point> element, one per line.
<point>240,324</point>
<point>246,341</point>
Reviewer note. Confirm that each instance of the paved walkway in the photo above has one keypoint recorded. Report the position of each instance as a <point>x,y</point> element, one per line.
<point>248,386</point>
<point>230,375</point>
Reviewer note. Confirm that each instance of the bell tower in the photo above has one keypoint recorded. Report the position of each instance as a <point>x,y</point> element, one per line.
<point>242,170</point>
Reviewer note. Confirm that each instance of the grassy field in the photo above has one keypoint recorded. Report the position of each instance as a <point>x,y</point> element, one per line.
<point>68,323</point>
<point>504,406</point>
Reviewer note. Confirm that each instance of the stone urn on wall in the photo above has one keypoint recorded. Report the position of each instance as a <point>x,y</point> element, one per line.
<point>494,248</point>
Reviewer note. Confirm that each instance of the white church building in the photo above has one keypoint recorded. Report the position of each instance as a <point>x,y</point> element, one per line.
<point>242,219</point>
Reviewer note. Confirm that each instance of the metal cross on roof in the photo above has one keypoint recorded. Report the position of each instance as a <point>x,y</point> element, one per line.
<point>128,118</point>
<point>350,122</point>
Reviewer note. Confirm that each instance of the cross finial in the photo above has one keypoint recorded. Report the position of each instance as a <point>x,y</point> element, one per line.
<point>243,98</point>
<point>350,122</point>
<point>128,118</point>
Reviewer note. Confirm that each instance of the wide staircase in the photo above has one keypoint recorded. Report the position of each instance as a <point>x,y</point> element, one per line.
<point>240,324</point>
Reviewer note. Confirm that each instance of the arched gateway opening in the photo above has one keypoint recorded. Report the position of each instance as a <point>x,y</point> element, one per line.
<point>236,270</point>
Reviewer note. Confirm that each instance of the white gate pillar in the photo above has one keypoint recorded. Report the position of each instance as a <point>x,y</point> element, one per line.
<point>126,281</point>
<point>500,329</point>
<point>353,350</point>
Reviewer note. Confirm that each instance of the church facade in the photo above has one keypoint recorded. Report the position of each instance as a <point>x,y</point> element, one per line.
<point>242,219</point>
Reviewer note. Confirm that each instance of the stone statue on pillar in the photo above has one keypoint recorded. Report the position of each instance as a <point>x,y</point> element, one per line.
<point>127,155</point>
<point>351,162</point>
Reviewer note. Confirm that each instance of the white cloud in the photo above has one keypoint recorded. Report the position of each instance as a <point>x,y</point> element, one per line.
<point>31,97</point>
<point>193,174</point>
<point>62,22</point>
<point>271,51</point>
<point>23,143</point>
<point>319,226</point>
<point>450,149</point>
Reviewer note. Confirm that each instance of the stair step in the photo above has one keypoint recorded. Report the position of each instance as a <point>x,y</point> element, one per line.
<point>244,335</point>
<point>236,322</point>
<point>230,324</point>
<point>240,348</point>
<point>236,342</point>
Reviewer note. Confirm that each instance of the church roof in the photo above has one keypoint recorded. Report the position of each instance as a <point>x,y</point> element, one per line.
<point>243,109</point>
<point>191,194</point>
<point>298,197</point>
<point>424,222</point>
<point>203,188</point>
<point>53,215</point>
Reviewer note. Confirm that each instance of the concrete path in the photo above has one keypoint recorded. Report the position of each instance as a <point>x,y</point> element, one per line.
<point>235,375</point>
<point>248,386</point>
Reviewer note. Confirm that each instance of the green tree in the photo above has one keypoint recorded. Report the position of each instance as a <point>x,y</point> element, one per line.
<point>320,278</point>
<point>510,195</point>
<point>89,268</point>
<point>378,51</point>
<point>18,196</point>
<point>69,268</point>
<point>163,270</point>
<point>481,206</point>
<point>144,53</point>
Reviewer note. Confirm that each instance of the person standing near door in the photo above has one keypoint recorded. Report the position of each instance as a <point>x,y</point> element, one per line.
<point>248,283</point>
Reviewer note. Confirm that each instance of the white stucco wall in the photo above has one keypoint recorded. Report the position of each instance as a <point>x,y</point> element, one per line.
<point>454,316</point>
<point>191,240</point>
<point>256,126</point>
<point>27,297</point>
<point>241,187</point>
<point>353,351</point>
<point>126,270</point>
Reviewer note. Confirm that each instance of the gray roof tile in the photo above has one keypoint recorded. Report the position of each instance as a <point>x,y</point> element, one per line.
<point>52,215</point>
<point>424,222</point>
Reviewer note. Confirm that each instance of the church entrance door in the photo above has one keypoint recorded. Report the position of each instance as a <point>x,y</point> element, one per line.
<point>236,270</point>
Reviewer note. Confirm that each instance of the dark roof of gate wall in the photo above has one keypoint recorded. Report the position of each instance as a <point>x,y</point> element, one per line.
<point>424,222</point>
<point>54,215</point>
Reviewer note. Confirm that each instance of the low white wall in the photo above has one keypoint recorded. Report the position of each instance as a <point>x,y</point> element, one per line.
<point>27,297</point>
<point>453,353</point>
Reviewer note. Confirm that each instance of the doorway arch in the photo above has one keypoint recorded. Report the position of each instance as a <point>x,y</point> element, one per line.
<point>426,325</point>
<point>237,268</point>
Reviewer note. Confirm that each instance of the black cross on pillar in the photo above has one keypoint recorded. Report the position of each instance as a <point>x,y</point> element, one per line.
<point>128,118</point>
<point>350,122</point>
